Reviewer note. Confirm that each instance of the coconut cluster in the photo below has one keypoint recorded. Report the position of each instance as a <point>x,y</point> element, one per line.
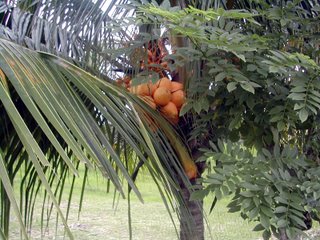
<point>165,95</point>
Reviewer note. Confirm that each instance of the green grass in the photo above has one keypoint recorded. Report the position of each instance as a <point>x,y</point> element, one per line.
<point>103,218</point>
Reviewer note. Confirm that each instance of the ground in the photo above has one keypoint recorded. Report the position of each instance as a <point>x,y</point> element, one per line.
<point>103,217</point>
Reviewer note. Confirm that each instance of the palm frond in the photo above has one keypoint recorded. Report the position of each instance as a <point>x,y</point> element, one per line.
<point>10,192</point>
<point>76,30</point>
<point>55,110</point>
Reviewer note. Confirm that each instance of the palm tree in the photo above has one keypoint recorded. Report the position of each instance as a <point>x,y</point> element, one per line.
<point>56,115</point>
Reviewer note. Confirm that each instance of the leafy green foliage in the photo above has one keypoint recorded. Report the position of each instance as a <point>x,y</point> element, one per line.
<point>255,83</point>
<point>273,187</point>
<point>304,90</point>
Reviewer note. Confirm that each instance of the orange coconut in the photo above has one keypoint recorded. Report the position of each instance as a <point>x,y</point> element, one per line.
<point>175,86</point>
<point>141,90</point>
<point>178,98</point>
<point>174,120</point>
<point>162,96</point>
<point>164,82</point>
<point>191,171</point>
<point>170,111</point>
<point>144,89</point>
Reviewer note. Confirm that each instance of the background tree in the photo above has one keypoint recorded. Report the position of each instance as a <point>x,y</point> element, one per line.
<point>254,94</point>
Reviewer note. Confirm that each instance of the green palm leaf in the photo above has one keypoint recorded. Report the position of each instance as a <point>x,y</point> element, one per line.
<point>75,30</point>
<point>10,192</point>
<point>76,112</point>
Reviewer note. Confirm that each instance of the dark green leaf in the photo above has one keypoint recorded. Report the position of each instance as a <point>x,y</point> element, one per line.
<point>281,126</point>
<point>247,194</point>
<point>250,186</point>
<point>297,96</point>
<point>282,223</point>
<point>280,209</point>
<point>258,228</point>
<point>267,211</point>
<point>251,67</point>
<point>219,77</point>
<point>253,213</point>
<point>199,195</point>
<point>218,193</point>
<point>185,108</point>
<point>264,220</point>
<point>303,115</point>
<point>248,87</point>
<point>232,86</point>
<point>298,221</point>
<point>266,235</point>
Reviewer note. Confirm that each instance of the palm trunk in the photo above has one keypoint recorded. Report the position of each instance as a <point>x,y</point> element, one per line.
<point>194,229</point>
<point>192,221</point>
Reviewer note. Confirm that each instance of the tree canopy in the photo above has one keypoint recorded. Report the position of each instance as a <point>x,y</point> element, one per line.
<point>253,94</point>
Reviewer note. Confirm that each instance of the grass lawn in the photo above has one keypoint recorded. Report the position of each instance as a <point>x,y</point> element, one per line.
<point>103,218</point>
